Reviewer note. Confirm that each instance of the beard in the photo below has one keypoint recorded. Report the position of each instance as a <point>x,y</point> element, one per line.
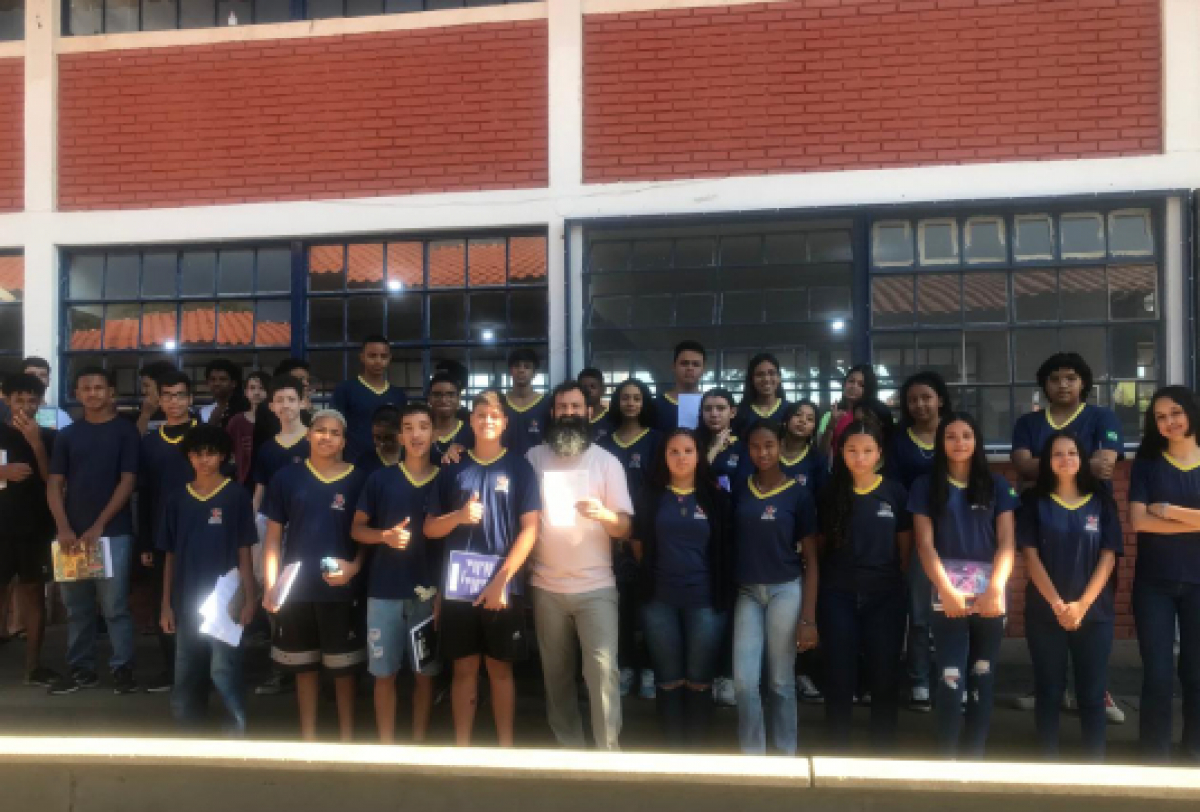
<point>568,436</point>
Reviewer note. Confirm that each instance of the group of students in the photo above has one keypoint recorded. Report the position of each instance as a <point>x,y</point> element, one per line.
<point>767,531</point>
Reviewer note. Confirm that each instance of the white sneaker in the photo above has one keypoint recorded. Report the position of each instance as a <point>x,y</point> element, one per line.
<point>919,700</point>
<point>647,691</point>
<point>1025,702</point>
<point>1112,711</point>
<point>1068,702</point>
<point>626,681</point>
<point>723,693</point>
<point>807,690</point>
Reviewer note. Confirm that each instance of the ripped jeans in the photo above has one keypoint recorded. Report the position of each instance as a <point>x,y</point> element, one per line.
<point>967,648</point>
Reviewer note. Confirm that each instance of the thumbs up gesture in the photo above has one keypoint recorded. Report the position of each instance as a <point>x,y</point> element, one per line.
<point>398,537</point>
<point>472,513</point>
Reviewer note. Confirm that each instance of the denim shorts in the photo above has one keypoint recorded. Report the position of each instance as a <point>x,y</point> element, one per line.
<point>389,622</point>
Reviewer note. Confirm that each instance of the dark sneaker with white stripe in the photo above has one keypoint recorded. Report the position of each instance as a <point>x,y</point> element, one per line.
<point>123,681</point>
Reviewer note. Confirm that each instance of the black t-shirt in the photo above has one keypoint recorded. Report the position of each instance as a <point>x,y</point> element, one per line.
<point>24,512</point>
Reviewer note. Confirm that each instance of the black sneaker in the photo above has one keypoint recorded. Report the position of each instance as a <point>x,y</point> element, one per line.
<point>277,683</point>
<point>123,681</point>
<point>63,686</point>
<point>160,684</point>
<point>85,678</point>
<point>42,677</point>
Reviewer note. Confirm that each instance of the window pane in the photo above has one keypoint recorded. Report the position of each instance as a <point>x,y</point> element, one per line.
<point>489,311</point>
<point>86,272</point>
<point>985,240</point>
<point>83,326</point>
<point>1082,236</point>
<point>12,326</point>
<point>272,11</point>
<point>241,10</point>
<point>891,244</point>
<point>197,13</point>
<point>85,17</point>
<point>160,325</point>
<point>363,8</point>
<point>326,264</point>
<point>791,305</point>
<point>274,270</point>
<point>894,355</point>
<point>405,265</point>
<point>986,356</point>
<point>198,271</point>
<point>741,307</point>
<point>199,324</point>
<point>159,15</point>
<point>942,353</point>
<point>938,240</point>
<point>274,324</point>
<point>364,315</point>
<point>12,278</point>
<point>486,261</point>
<point>405,320</point>
<point>124,369</point>
<point>447,264</point>
<point>527,261</point>
<point>237,272</point>
<point>1131,291</point>
<point>939,299</point>
<point>651,255</point>
<point>364,266</point>
<point>695,253</point>
<point>320,9</point>
<point>1090,343</point>
<point>121,326</point>
<point>159,274</point>
<point>1129,233</point>
<point>235,327</point>
<point>990,405</point>
<point>608,256</point>
<point>12,24</point>
<point>447,316</point>
<point>985,297</point>
<point>697,309</point>
<point>1030,348</point>
<point>786,249</point>
<point>121,276</point>
<point>1035,237</point>
<point>120,16</point>
<point>741,250</point>
<point>829,303</point>
<point>1083,294</point>
<point>650,311</point>
<point>829,246</point>
<point>892,301</point>
<point>326,321</point>
<point>1035,295</point>
<point>1135,351</point>
<point>610,311</point>
<point>328,370</point>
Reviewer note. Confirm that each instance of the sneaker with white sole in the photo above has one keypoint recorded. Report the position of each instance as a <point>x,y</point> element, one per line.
<point>808,691</point>
<point>1112,711</point>
<point>1068,702</point>
<point>919,700</point>
<point>626,681</point>
<point>723,694</point>
<point>648,689</point>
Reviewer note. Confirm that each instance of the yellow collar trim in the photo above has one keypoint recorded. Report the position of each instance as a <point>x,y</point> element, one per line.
<point>798,458</point>
<point>1179,464</point>
<point>1067,422</point>
<point>522,409</point>
<point>293,443</point>
<point>865,491</point>
<point>956,483</point>
<point>1069,506</point>
<point>415,482</point>
<point>681,491</point>
<point>617,439</point>
<point>471,454</point>
<point>216,490</point>
<point>386,385</point>
<point>600,416</point>
<point>448,437</point>
<point>328,480</point>
<point>912,435</point>
<point>787,483</point>
<point>163,434</point>
<point>667,397</point>
<point>769,412</point>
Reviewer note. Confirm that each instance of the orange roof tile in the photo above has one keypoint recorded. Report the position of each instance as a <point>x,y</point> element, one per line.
<point>406,262</point>
<point>527,259</point>
<point>485,262</point>
<point>447,263</point>
<point>199,327</point>
<point>365,263</point>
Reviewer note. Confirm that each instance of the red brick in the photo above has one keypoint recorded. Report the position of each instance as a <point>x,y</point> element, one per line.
<point>12,135</point>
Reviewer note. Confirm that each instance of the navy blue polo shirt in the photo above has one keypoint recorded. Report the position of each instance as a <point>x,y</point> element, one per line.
<point>205,534</point>
<point>732,467</point>
<point>273,456</point>
<point>317,514</point>
<point>390,496</point>
<point>162,469</point>
<point>964,532</point>
<point>768,530</point>
<point>908,457</point>
<point>868,560</point>
<point>92,457</point>
<point>601,425</point>
<point>666,413</point>
<point>357,401</point>
<point>461,435</point>
<point>1096,427</point>
<point>749,414</point>
<point>1161,556</point>
<point>808,468</point>
<point>1069,539</point>
<point>636,457</point>
<point>370,461</point>
<point>682,574</point>
<point>24,509</point>
<point>526,425</point>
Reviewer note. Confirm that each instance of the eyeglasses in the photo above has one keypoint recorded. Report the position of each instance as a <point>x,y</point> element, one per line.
<point>174,396</point>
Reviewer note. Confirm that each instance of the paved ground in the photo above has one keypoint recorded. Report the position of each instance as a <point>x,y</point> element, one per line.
<point>27,710</point>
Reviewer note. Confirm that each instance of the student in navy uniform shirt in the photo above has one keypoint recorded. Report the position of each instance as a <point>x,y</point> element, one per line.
<point>450,430</point>
<point>964,512</point>
<point>683,536</point>
<point>688,364</point>
<point>866,545</point>
<point>762,394</point>
<point>725,451</point>
<point>592,381</point>
<point>1164,509</point>
<point>924,400</point>
<point>1069,532</point>
<point>358,398</point>
<point>95,463</point>
<point>632,439</point>
<point>527,412</point>
<point>488,503</point>
<point>401,574</point>
<point>320,622</point>
<point>799,457</point>
<point>289,447</point>
<point>28,526</point>
<point>385,441</point>
<point>205,529</point>
<point>775,522</point>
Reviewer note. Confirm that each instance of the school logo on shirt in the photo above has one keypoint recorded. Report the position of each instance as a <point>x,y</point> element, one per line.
<point>502,484</point>
<point>297,460</point>
<point>732,462</point>
<point>885,511</point>
<point>1093,524</point>
<point>1112,435</point>
<point>339,502</point>
<point>801,479</point>
<point>769,514</point>
<point>534,428</point>
<point>700,514</point>
<point>214,516</point>
<point>635,460</point>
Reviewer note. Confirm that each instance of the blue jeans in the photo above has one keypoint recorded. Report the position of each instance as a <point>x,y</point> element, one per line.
<point>113,593</point>
<point>199,660</point>
<point>1157,605</point>
<point>870,626</point>
<point>683,641</point>
<point>766,615</point>
<point>1089,647</point>
<point>967,648</point>
<point>920,610</point>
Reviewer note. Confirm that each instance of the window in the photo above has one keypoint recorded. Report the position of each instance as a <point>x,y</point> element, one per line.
<point>782,287</point>
<point>1074,281</point>
<point>12,324</point>
<point>84,17</point>
<point>12,19</point>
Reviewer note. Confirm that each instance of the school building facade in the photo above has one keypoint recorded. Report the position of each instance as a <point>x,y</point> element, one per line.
<point>960,185</point>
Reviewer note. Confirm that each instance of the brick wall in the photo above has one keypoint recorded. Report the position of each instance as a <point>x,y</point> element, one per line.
<point>12,135</point>
<point>853,84</point>
<point>404,112</point>
<point>1016,589</point>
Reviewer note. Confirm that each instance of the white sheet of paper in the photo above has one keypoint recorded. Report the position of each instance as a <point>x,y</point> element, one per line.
<point>560,491</point>
<point>689,411</point>
<point>217,622</point>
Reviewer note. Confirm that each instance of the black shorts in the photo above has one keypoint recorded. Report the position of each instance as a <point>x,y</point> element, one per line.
<point>310,635</point>
<point>465,630</point>
<point>29,561</point>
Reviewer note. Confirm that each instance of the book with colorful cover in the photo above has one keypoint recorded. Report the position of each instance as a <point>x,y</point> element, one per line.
<point>89,563</point>
<point>971,578</point>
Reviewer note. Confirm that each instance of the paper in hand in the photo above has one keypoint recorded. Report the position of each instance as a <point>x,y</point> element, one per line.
<point>215,610</point>
<point>560,491</point>
<point>689,411</point>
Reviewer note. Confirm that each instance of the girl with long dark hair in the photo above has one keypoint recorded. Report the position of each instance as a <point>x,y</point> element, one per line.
<point>798,456</point>
<point>1069,533</point>
<point>725,451</point>
<point>963,517</point>
<point>860,383</point>
<point>762,393</point>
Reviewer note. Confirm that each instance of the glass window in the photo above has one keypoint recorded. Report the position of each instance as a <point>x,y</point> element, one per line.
<point>938,240</point>
<point>1132,291</point>
<point>984,240</point>
<point>12,19</point>
<point>235,12</point>
<point>326,264</point>
<point>695,252</point>
<point>364,266</point>
<point>939,299</point>
<point>786,249</point>
<point>447,264</point>
<point>198,271</point>
<point>160,274</point>
<point>1082,294</point>
<point>1130,233</point>
<point>1035,237</point>
<point>274,270</point>
<point>236,272</point>
<point>892,301</point>
<point>364,315</point>
<point>1082,236</point>
<point>272,11</point>
<point>120,16</point>
<point>1035,295</point>
<point>405,317</point>
<point>86,17</point>
<point>527,261</point>
<point>121,276</point>
<point>160,325</point>
<point>891,244</point>
<point>695,309</point>
<point>985,298</point>
<point>742,249</point>
<point>327,321</point>
<point>85,276</point>
<point>486,262</point>
<point>197,13</point>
